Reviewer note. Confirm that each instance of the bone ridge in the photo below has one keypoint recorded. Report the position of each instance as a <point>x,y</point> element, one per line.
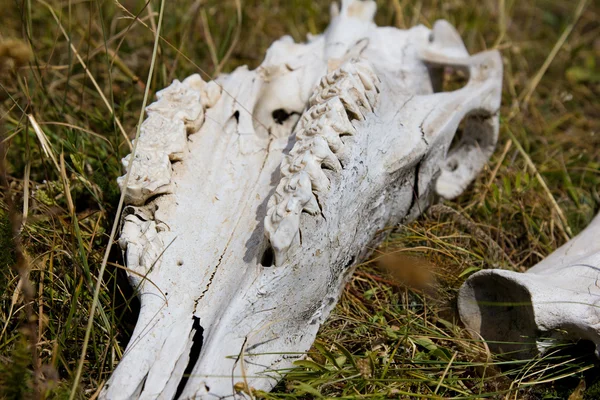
<point>348,93</point>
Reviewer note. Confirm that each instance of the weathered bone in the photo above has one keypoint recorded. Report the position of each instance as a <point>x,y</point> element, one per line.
<point>241,237</point>
<point>556,300</point>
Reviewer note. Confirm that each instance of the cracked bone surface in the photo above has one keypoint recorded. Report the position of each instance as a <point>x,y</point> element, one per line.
<point>556,300</point>
<point>251,198</point>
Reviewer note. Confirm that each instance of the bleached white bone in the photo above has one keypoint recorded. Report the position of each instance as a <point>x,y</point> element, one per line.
<point>240,241</point>
<point>556,300</point>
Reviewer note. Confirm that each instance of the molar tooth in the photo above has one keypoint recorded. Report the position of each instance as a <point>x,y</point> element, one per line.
<point>287,166</point>
<point>312,206</point>
<point>338,118</point>
<point>366,74</point>
<point>366,80</point>
<point>333,138</point>
<point>356,89</point>
<point>320,97</point>
<point>298,163</point>
<point>293,205</point>
<point>285,235</point>
<point>276,217</point>
<point>351,106</point>
<point>161,134</point>
<point>323,154</point>
<point>280,211</point>
<point>318,179</point>
<point>211,94</point>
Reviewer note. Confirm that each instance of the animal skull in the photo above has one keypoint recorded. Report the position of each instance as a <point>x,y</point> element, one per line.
<point>556,300</point>
<point>251,198</point>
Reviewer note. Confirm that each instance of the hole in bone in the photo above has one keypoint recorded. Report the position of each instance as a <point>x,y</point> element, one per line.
<point>151,199</point>
<point>447,78</point>
<point>268,257</point>
<point>236,115</point>
<point>280,116</point>
<point>504,314</point>
<point>197,339</point>
<point>350,262</point>
<point>475,132</point>
<point>452,165</point>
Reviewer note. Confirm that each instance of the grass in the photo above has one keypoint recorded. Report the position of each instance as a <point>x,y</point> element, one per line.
<point>72,83</point>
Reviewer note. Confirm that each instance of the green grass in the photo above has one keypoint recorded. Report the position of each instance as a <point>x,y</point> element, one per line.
<point>388,337</point>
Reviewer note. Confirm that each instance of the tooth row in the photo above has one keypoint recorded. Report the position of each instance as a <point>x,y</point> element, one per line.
<point>179,111</point>
<point>355,84</point>
<point>349,92</point>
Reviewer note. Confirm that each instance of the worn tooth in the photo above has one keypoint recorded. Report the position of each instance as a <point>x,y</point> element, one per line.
<point>370,82</point>
<point>367,73</point>
<point>353,88</point>
<point>351,106</point>
<point>320,150</point>
<point>161,134</point>
<point>312,206</point>
<point>303,133</point>
<point>318,179</point>
<point>370,94</point>
<point>281,211</point>
<point>284,236</point>
<point>194,82</point>
<point>150,175</point>
<point>304,185</point>
<point>287,166</point>
<point>293,205</point>
<point>181,101</point>
<point>298,164</point>
<point>211,94</point>
<point>322,94</point>
<point>366,81</point>
<point>332,137</point>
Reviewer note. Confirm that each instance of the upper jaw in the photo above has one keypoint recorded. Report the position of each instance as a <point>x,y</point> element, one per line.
<point>245,232</point>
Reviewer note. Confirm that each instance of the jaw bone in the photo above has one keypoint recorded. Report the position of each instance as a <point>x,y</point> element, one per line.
<point>252,198</point>
<point>555,301</point>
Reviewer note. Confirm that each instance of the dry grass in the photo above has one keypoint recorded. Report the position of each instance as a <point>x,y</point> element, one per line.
<point>71,88</point>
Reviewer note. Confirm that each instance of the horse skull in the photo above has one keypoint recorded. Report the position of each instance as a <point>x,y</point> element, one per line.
<point>251,198</point>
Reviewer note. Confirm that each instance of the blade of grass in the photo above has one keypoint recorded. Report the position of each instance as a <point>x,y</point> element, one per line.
<point>563,225</point>
<point>88,73</point>
<point>528,92</point>
<point>119,207</point>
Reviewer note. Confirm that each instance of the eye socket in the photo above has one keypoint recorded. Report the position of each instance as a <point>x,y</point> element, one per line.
<point>472,143</point>
<point>447,78</point>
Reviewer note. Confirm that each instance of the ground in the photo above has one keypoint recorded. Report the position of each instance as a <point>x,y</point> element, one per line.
<point>72,81</point>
